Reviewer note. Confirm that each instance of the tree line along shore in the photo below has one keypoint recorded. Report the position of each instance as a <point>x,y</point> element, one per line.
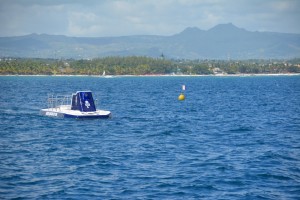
<point>139,65</point>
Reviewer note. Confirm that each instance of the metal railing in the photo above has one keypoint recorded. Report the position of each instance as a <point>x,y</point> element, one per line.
<point>56,101</point>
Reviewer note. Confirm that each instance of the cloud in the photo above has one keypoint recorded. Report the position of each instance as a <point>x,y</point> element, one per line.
<point>18,20</point>
<point>131,17</point>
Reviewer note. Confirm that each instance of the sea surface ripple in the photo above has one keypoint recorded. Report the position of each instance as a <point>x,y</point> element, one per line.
<point>232,138</point>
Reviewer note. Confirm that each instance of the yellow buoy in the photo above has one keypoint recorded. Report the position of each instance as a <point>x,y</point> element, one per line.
<point>181,97</point>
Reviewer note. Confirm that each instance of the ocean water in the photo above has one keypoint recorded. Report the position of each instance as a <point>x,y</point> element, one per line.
<point>232,138</point>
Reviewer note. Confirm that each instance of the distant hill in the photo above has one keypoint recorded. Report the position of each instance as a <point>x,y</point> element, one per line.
<point>220,42</point>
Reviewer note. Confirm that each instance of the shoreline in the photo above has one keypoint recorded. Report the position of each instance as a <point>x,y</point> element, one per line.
<point>155,75</point>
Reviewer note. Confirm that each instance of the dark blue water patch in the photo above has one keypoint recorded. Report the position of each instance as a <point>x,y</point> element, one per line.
<point>232,138</point>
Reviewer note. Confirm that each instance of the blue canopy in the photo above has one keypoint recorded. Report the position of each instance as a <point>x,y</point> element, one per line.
<point>83,101</point>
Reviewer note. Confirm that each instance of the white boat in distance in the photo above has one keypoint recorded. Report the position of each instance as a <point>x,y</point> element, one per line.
<point>79,105</point>
<point>105,76</point>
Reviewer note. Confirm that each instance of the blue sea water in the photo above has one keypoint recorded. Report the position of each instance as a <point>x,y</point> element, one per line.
<point>232,138</point>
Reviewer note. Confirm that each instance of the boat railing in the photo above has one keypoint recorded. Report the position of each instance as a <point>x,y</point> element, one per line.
<point>57,101</point>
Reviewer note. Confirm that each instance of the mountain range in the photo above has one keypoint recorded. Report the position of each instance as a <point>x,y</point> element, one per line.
<point>224,41</point>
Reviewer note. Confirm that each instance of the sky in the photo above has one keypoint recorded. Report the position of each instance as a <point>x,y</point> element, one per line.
<point>103,18</point>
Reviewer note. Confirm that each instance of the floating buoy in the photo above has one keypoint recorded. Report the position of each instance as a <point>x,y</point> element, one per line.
<point>181,97</point>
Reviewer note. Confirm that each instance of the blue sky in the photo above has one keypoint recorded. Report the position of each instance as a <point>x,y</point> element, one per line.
<point>98,18</point>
